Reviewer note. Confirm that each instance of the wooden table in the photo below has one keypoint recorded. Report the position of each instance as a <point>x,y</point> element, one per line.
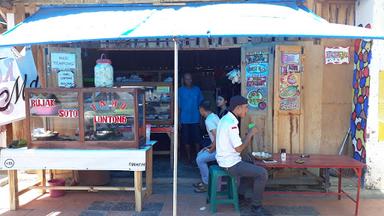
<point>169,131</point>
<point>322,162</point>
<point>135,160</point>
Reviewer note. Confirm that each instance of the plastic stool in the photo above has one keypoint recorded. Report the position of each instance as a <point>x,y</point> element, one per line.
<point>231,196</point>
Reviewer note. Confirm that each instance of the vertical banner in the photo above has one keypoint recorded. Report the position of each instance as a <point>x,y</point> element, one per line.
<point>360,92</point>
<point>17,72</point>
<point>289,83</point>
<point>256,75</point>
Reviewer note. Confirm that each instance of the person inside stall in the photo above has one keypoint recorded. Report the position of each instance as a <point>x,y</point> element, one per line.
<point>208,153</point>
<point>190,97</point>
<point>229,147</point>
<point>221,103</point>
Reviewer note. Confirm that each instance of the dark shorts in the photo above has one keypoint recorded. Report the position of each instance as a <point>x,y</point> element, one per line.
<point>190,134</point>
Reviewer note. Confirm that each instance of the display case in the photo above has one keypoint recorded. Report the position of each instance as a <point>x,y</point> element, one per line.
<point>85,118</point>
<point>158,103</point>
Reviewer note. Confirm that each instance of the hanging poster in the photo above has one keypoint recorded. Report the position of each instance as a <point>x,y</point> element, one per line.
<point>336,55</point>
<point>257,71</point>
<point>17,72</point>
<point>66,79</point>
<point>289,89</point>
<point>64,65</point>
<point>63,61</point>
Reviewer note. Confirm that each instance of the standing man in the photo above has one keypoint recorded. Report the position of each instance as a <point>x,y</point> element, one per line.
<point>229,146</point>
<point>208,153</point>
<point>189,99</point>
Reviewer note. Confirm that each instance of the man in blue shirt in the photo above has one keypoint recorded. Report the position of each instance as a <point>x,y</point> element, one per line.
<point>190,98</point>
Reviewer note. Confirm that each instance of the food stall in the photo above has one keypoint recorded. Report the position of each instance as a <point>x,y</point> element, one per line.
<point>70,127</point>
<point>174,27</point>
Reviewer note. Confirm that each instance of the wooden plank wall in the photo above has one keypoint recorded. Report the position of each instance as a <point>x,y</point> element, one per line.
<point>335,11</point>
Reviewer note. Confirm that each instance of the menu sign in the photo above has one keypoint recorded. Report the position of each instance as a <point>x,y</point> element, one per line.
<point>290,76</point>
<point>336,55</point>
<point>257,72</point>
<point>64,64</point>
<point>63,61</point>
<point>66,79</point>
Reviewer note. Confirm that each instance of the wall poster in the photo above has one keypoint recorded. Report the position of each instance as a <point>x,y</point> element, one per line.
<point>289,88</point>
<point>336,55</point>
<point>64,64</point>
<point>257,72</point>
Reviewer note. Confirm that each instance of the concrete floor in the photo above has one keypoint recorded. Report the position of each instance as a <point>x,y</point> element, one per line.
<point>189,203</point>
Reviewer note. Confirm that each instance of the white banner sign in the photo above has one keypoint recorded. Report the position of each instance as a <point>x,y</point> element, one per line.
<point>63,61</point>
<point>73,159</point>
<point>17,72</point>
<point>336,55</point>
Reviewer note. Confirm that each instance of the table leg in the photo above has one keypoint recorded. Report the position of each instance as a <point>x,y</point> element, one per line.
<point>13,189</point>
<point>43,180</point>
<point>339,184</point>
<point>138,191</point>
<point>358,173</point>
<point>149,172</point>
<point>172,148</point>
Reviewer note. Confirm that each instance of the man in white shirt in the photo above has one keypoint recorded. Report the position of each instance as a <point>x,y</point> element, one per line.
<point>229,146</point>
<point>208,153</point>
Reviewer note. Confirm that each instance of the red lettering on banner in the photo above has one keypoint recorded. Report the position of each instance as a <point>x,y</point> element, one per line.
<point>43,102</point>
<point>114,103</point>
<point>123,106</point>
<point>110,119</point>
<point>102,103</point>
<point>63,113</point>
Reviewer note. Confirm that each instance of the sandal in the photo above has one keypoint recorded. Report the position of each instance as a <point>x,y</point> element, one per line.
<point>198,185</point>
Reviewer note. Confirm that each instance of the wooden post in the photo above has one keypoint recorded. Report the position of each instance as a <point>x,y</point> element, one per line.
<point>19,13</point>
<point>9,134</point>
<point>43,180</point>
<point>138,190</point>
<point>149,172</point>
<point>172,147</point>
<point>13,190</point>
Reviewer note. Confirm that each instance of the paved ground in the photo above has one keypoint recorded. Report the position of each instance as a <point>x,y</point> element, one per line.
<point>189,203</point>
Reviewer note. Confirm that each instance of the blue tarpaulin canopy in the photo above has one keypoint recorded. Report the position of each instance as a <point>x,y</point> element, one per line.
<point>75,23</point>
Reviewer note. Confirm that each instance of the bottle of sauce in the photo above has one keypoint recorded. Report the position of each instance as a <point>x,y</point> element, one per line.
<point>283,155</point>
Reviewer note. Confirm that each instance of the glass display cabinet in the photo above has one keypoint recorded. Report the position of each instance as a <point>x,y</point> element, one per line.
<point>92,118</point>
<point>158,103</point>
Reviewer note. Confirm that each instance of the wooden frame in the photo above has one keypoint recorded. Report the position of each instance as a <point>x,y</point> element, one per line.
<point>51,76</point>
<point>296,117</point>
<point>139,137</point>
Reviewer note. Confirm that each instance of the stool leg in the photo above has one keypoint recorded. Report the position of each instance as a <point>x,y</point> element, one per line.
<point>235,196</point>
<point>213,195</point>
<point>209,186</point>
<point>229,188</point>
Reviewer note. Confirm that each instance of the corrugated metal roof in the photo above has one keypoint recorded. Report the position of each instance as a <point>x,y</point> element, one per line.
<point>116,22</point>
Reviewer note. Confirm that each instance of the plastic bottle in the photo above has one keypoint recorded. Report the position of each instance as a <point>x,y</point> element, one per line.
<point>283,155</point>
<point>147,133</point>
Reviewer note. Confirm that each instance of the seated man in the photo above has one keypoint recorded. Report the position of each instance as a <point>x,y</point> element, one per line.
<point>228,149</point>
<point>208,153</point>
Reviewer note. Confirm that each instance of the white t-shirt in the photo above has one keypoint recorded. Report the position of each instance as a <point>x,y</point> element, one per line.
<point>211,123</point>
<point>227,139</point>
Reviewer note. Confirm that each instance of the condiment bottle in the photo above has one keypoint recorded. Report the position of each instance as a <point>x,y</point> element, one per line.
<point>283,155</point>
<point>148,133</point>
